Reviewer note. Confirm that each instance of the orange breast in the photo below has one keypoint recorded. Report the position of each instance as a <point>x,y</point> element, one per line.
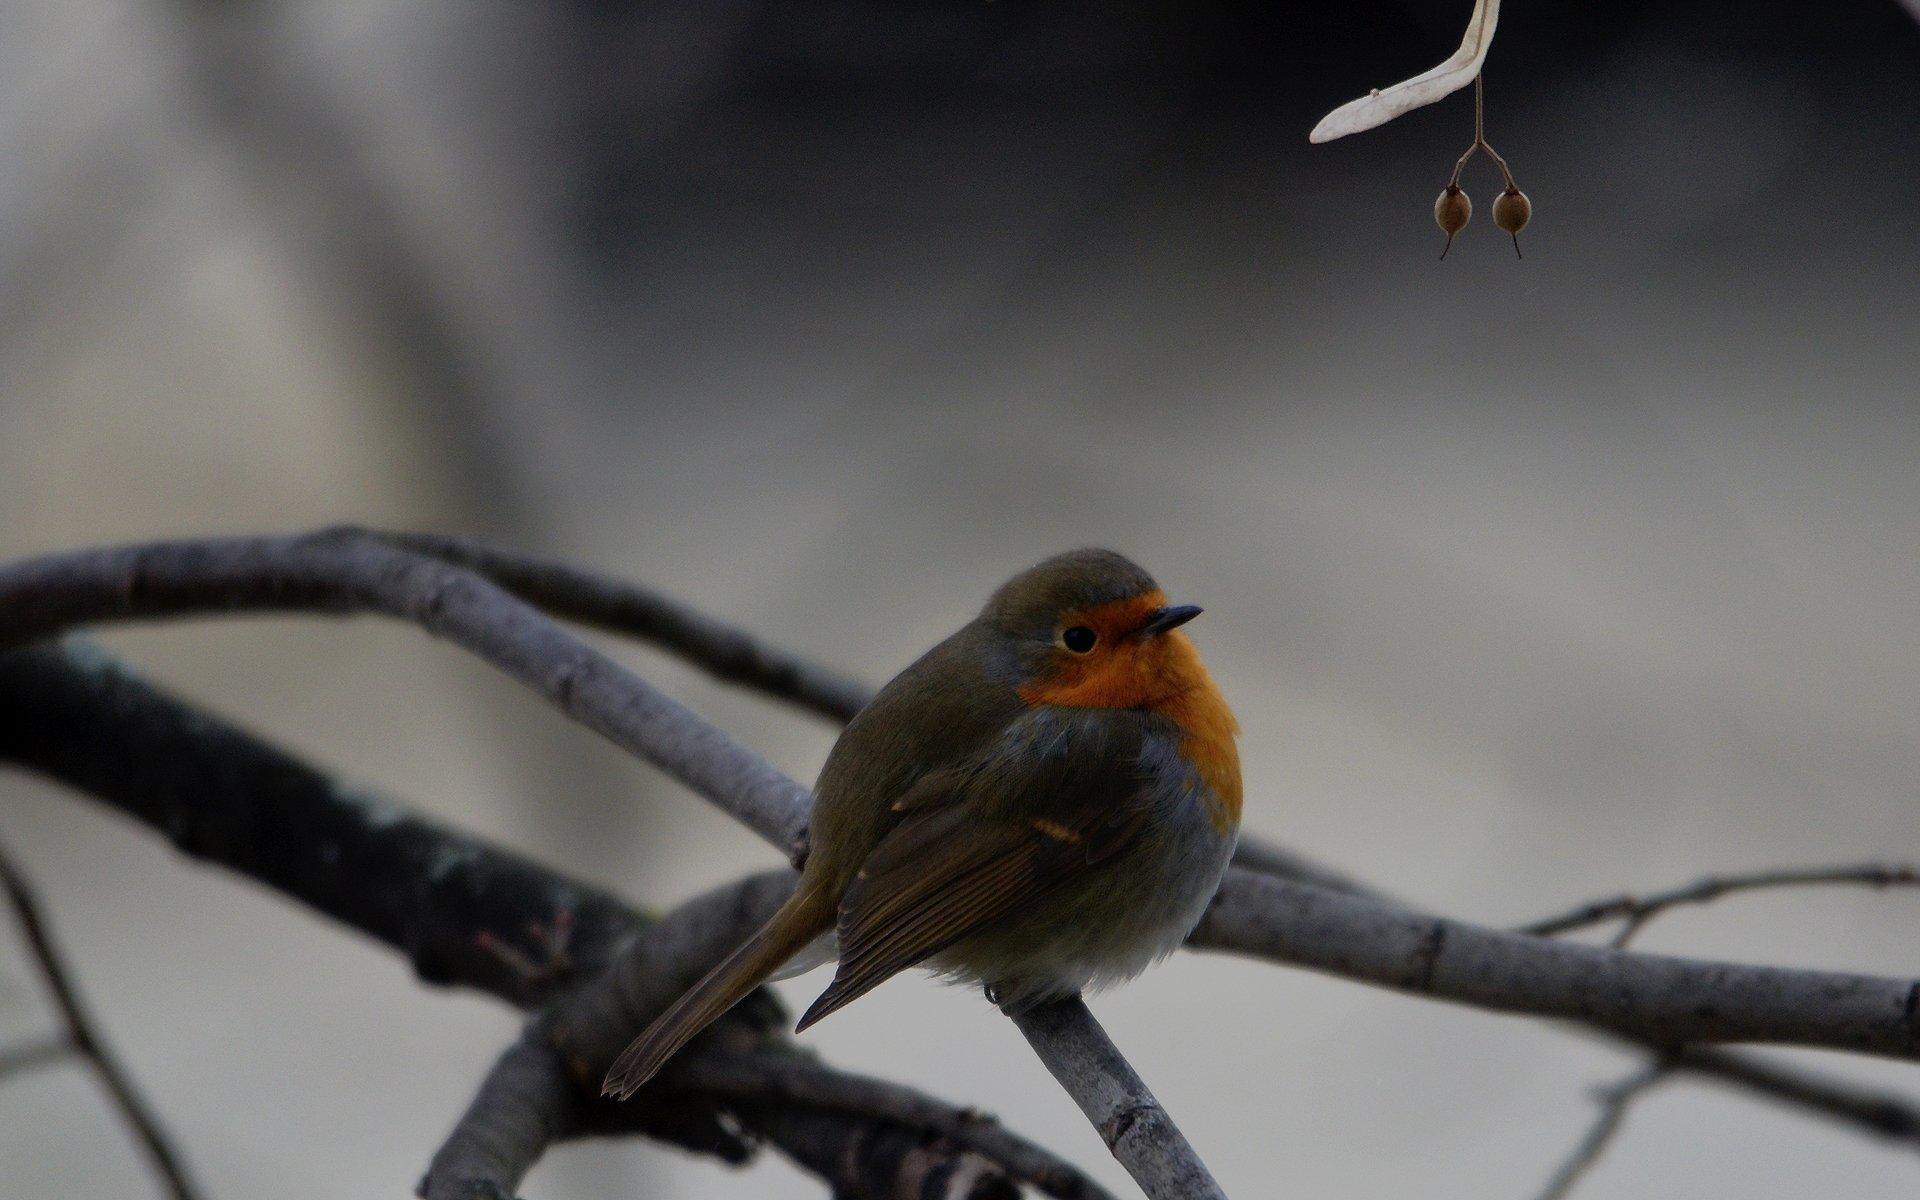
<point>1160,674</point>
<point>1210,747</point>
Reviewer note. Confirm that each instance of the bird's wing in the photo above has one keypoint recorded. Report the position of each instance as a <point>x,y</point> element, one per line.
<point>1062,792</point>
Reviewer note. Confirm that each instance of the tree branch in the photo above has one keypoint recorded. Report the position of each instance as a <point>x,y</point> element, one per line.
<point>616,606</point>
<point>865,1137</point>
<point>525,1104</point>
<point>1614,1102</point>
<point>532,1098</point>
<point>83,1038</point>
<point>589,1026</point>
<point>1115,1099</point>
<point>1634,913</point>
<point>76,715</point>
<point>796,1079</point>
<point>1661,1001</point>
<point>220,794</point>
<point>1268,917</point>
<point>346,570</point>
<point>862,1160</point>
<point>343,571</point>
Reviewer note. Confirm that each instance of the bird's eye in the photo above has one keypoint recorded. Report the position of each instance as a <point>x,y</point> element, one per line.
<point>1079,639</point>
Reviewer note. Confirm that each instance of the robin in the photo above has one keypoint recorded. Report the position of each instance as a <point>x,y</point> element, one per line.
<point>1044,802</point>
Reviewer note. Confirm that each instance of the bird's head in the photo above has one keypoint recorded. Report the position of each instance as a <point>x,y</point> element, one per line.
<point>1089,629</point>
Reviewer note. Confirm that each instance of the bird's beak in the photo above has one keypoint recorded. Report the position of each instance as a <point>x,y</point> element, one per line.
<point>1171,617</point>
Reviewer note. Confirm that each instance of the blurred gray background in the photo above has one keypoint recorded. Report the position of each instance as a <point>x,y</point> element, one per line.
<point>1531,581</point>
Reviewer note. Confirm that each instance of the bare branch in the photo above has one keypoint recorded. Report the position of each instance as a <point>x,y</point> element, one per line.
<point>798,1079</point>
<point>619,607</point>
<point>220,794</point>
<point>881,1162</point>
<point>1661,1001</point>
<point>83,1039</point>
<point>1614,1102</point>
<point>864,1136</point>
<point>590,1026</point>
<point>74,714</point>
<point>525,1105</point>
<point>1635,912</point>
<point>1115,1099</point>
<point>346,571</point>
<point>532,1098</point>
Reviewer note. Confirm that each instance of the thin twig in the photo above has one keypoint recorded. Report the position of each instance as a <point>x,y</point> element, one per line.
<point>1614,1102</point>
<point>1140,1133</point>
<point>1480,141</point>
<point>1636,912</point>
<point>616,606</point>
<point>84,1039</point>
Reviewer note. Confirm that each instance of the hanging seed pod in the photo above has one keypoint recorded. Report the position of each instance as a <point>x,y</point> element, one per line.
<point>1451,212</point>
<point>1511,212</point>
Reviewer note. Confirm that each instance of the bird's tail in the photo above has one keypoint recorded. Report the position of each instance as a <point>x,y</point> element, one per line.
<point>805,916</point>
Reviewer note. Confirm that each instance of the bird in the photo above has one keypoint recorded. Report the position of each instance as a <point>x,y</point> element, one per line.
<point>1043,803</point>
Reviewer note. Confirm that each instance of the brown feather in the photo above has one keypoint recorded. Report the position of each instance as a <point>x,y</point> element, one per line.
<point>804,917</point>
<point>943,874</point>
<point>926,930</point>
